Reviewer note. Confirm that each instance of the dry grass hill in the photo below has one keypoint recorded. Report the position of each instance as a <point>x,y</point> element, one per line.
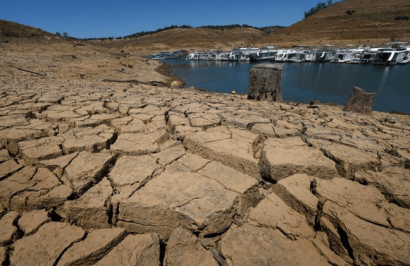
<point>373,22</point>
<point>12,29</point>
<point>189,39</point>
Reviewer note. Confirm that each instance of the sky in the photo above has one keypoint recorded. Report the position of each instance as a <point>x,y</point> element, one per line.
<point>103,18</point>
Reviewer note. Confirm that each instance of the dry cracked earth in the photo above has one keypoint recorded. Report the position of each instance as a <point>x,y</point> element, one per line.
<point>97,173</point>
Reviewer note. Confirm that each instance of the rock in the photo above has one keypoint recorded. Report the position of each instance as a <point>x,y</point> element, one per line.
<point>8,232</point>
<point>228,177</point>
<point>93,209</point>
<point>130,170</point>
<point>31,221</point>
<point>8,168</point>
<point>393,183</point>
<point>93,248</point>
<point>11,136</point>
<point>369,244</point>
<point>141,250</point>
<point>4,155</point>
<point>204,120</point>
<point>54,198</point>
<point>176,84</point>
<point>40,149</point>
<point>326,252</point>
<point>169,155</point>
<point>360,101</point>
<point>3,255</point>
<point>295,192</point>
<point>350,160</point>
<point>248,245</point>
<point>138,144</point>
<point>59,164</point>
<point>363,201</point>
<point>184,249</point>
<point>265,83</point>
<point>45,246</point>
<point>42,183</point>
<point>236,152</point>
<point>85,170</point>
<point>161,206</point>
<point>87,139</point>
<point>285,157</point>
<point>19,181</point>
<point>194,162</point>
<point>244,185</point>
<point>273,213</point>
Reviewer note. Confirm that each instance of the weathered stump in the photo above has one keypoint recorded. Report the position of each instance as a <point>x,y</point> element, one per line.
<point>360,101</point>
<point>265,83</point>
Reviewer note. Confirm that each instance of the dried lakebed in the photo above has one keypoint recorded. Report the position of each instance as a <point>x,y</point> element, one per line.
<point>122,174</point>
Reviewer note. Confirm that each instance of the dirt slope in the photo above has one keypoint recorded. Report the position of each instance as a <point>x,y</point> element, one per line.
<point>189,39</point>
<point>12,29</point>
<point>373,22</point>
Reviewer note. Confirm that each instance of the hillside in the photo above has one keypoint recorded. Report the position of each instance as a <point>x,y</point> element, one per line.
<point>373,22</point>
<point>12,29</point>
<point>189,39</point>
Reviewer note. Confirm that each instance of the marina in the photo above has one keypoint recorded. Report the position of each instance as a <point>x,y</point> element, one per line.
<point>390,54</point>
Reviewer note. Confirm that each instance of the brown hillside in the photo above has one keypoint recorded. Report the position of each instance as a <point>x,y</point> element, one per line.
<point>188,39</point>
<point>12,29</point>
<point>373,22</point>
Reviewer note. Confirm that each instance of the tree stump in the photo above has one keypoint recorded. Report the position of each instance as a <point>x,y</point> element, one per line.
<point>360,101</point>
<point>265,83</point>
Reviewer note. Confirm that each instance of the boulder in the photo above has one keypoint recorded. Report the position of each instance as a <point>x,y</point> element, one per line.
<point>176,84</point>
<point>360,101</point>
<point>265,83</point>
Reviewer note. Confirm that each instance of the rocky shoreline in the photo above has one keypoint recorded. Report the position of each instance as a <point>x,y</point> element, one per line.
<point>101,163</point>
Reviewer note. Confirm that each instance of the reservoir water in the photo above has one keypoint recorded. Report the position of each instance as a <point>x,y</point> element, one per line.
<point>326,82</point>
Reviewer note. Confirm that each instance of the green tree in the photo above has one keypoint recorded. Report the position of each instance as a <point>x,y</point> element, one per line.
<point>57,33</point>
<point>65,34</point>
<point>329,2</point>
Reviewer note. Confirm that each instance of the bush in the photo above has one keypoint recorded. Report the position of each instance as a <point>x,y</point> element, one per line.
<point>58,34</point>
<point>65,34</point>
<point>315,9</point>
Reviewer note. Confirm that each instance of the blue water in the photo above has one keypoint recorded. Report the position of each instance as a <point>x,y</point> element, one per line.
<point>326,82</point>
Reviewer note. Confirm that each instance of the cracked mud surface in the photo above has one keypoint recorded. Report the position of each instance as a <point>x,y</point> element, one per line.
<point>104,173</point>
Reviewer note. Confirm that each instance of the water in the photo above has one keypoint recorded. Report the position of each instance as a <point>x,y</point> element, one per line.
<point>326,82</point>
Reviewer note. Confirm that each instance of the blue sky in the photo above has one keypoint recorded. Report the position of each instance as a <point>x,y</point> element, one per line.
<point>91,18</point>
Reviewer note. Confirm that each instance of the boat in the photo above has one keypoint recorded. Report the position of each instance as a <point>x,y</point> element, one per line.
<point>235,56</point>
<point>162,56</point>
<point>195,56</point>
<point>297,57</point>
<point>389,58</point>
<point>342,56</point>
<point>222,57</point>
<point>283,55</point>
<point>266,53</point>
<point>406,57</point>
